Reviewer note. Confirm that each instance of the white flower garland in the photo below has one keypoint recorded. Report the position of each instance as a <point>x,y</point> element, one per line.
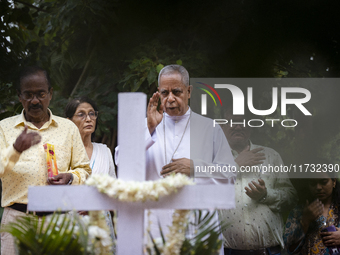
<point>174,238</point>
<point>133,191</point>
<point>176,235</point>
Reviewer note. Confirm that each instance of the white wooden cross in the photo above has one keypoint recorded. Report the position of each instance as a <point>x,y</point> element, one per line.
<point>130,219</point>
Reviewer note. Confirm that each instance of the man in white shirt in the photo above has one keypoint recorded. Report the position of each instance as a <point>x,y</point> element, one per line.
<point>178,140</point>
<point>255,225</point>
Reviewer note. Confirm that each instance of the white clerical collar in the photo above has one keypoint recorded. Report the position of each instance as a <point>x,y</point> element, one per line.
<point>184,116</point>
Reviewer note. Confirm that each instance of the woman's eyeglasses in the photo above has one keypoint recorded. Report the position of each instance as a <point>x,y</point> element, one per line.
<point>83,115</point>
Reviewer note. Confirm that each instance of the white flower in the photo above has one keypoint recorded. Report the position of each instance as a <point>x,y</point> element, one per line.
<point>86,220</point>
<point>97,233</point>
<point>131,191</point>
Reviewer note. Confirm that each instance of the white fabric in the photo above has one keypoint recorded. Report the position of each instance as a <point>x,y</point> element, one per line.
<point>208,148</point>
<point>204,144</point>
<point>254,225</point>
<point>101,160</point>
<point>102,163</point>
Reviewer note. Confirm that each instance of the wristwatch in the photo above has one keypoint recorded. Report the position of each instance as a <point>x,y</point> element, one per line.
<point>71,180</point>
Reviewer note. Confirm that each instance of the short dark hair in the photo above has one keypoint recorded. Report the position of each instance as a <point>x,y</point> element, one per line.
<point>72,106</point>
<point>30,70</point>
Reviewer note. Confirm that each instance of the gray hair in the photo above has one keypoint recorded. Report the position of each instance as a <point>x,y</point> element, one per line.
<point>172,69</point>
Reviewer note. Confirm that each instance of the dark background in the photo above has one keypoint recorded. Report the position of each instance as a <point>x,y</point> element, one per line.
<point>102,47</point>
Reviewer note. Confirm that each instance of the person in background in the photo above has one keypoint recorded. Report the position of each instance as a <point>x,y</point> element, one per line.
<point>312,227</point>
<point>84,113</point>
<point>22,154</point>
<point>255,225</point>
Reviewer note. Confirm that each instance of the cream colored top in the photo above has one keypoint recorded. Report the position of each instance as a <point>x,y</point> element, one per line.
<point>18,171</point>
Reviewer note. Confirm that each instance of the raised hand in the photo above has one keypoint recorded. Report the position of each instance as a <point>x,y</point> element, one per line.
<point>311,212</point>
<point>256,190</point>
<point>250,158</point>
<point>26,140</point>
<point>154,116</point>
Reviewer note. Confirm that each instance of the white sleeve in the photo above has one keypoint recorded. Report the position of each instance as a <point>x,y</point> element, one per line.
<point>149,141</point>
<point>222,166</point>
<point>112,171</point>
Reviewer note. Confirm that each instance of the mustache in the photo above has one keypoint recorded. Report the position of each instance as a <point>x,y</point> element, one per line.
<point>35,106</point>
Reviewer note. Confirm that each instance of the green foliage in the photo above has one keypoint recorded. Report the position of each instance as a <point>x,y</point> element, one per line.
<point>87,51</point>
<point>330,149</point>
<point>205,240</point>
<point>67,38</point>
<point>54,237</point>
<point>140,71</point>
<point>99,48</point>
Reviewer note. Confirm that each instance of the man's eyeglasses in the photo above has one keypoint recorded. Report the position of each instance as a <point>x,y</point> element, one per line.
<point>83,115</point>
<point>29,95</point>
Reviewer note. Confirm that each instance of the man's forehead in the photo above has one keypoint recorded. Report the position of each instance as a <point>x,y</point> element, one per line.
<point>36,75</point>
<point>172,88</point>
<point>31,90</point>
<point>229,116</point>
<point>34,81</point>
<point>34,89</point>
<point>171,78</point>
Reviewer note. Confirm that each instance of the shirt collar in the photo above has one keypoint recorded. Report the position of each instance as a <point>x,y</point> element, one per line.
<point>22,121</point>
<point>184,116</point>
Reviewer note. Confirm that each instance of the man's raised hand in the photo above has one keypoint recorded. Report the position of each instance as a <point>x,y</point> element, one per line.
<point>255,190</point>
<point>26,140</point>
<point>250,158</point>
<point>154,116</point>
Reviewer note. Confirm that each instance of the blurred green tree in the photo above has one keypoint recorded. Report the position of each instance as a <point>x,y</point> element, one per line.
<point>99,48</point>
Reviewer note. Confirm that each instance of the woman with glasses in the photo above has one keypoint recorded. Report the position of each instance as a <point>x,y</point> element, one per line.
<point>84,113</point>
